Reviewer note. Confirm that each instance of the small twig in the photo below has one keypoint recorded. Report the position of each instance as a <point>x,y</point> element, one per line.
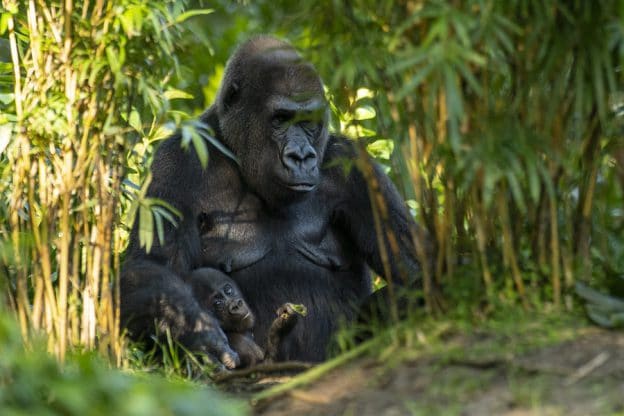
<point>263,368</point>
<point>584,370</point>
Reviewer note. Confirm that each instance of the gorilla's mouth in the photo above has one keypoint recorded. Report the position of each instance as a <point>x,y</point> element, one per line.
<point>301,187</point>
<point>248,321</point>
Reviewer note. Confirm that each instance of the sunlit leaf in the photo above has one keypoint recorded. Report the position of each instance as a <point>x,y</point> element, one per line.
<point>146,227</point>
<point>173,93</point>
<point>206,134</point>
<point>135,121</point>
<point>200,147</point>
<point>197,12</point>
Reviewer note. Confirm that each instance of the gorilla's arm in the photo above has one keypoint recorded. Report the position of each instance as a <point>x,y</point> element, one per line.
<point>156,300</point>
<point>400,234</point>
<point>174,174</point>
<point>152,290</point>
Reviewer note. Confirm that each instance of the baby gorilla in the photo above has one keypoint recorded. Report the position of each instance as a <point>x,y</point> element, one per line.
<point>216,292</point>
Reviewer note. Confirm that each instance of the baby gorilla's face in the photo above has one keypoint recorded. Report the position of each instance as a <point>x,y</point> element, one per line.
<point>230,308</point>
<point>219,294</point>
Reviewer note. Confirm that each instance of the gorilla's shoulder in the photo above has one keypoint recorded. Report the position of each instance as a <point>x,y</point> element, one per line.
<point>339,147</point>
<point>172,157</point>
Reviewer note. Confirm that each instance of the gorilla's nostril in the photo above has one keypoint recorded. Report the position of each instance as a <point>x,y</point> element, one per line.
<point>297,157</point>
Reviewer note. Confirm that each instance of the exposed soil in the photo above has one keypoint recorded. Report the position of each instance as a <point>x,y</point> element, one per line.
<point>473,374</point>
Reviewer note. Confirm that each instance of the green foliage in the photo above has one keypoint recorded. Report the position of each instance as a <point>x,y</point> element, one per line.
<point>86,89</point>
<point>32,382</point>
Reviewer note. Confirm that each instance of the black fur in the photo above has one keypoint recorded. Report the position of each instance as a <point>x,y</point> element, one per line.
<point>220,295</point>
<point>287,224</point>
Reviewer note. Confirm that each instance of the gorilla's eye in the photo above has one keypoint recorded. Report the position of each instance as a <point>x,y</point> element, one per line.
<point>227,289</point>
<point>218,302</point>
<point>282,117</point>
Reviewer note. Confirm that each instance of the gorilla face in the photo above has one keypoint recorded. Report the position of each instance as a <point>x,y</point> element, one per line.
<point>296,127</point>
<point>216,292</point>
<point>273,114</point>
<point>230,308</point>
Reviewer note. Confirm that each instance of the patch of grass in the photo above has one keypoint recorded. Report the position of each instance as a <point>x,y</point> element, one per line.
<point>526,394</point>
<point>168,358</point>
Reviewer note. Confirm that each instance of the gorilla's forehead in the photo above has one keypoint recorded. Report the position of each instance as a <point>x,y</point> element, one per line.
<point>283,66</point>
<point>214,278</point>
<point>279,56</point>
<point>299,81</point>
<point>302,102</point>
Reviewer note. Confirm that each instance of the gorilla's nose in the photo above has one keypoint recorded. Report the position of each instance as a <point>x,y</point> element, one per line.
<point>236,306</point>
<point>299,157</point>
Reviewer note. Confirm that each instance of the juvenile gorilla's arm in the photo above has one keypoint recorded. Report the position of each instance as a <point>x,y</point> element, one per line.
<point>249,352</point>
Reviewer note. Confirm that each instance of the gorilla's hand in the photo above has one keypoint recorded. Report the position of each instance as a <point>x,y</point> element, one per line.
<point>208,337</point>
<point>249,352</point>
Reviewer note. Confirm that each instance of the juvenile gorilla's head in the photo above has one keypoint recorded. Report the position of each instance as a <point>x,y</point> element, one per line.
<point>216,292</point>
<point>272,113</point>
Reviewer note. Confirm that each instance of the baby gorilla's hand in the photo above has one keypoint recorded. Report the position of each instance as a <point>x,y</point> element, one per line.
<point>209,338</point>
<point>230,359</point>
<point>249,352</point>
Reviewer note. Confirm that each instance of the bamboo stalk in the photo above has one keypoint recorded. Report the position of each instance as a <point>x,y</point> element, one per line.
<point>555,253</point>
<point>17,77</point>
<point>378,207</point>
<point>508,248</point>
<point>481,242</point>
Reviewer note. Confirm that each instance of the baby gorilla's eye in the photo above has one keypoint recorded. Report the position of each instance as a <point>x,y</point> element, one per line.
<point>218,302</point>
<point>227,289</point>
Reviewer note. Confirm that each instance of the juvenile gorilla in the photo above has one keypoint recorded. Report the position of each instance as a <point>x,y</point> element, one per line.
<point>219,294</point>
<point>284,220</point>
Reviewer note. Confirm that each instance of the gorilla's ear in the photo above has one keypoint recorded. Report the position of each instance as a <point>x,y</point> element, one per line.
<point>231,95</point>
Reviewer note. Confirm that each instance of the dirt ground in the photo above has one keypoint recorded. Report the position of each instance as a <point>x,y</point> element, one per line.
<point>480,373</point>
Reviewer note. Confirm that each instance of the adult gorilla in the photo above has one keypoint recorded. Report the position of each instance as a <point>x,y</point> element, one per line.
<point>286,222</point>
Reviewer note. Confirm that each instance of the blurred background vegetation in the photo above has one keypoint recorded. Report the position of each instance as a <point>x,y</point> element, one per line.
<point>501,122</point>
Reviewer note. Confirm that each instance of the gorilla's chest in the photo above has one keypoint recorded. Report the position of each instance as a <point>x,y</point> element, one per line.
<point>238,235</point>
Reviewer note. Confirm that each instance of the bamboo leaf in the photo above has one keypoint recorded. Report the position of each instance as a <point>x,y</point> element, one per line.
<point>415,81</point>
<point>160,232</point>
<point>173,93</point>
<point>135,121</point>
<point>146,227</point>
<point>191,13</point>
<point>204,131</point>
<point>4,22</point>
<point>516,191</point>
<point>412,58</point>
<point>166,211</point>
<point>200,147</point>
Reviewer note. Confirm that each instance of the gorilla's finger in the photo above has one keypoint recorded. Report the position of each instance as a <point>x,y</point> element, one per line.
<point>230,359</point>
<point>216,345</point>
